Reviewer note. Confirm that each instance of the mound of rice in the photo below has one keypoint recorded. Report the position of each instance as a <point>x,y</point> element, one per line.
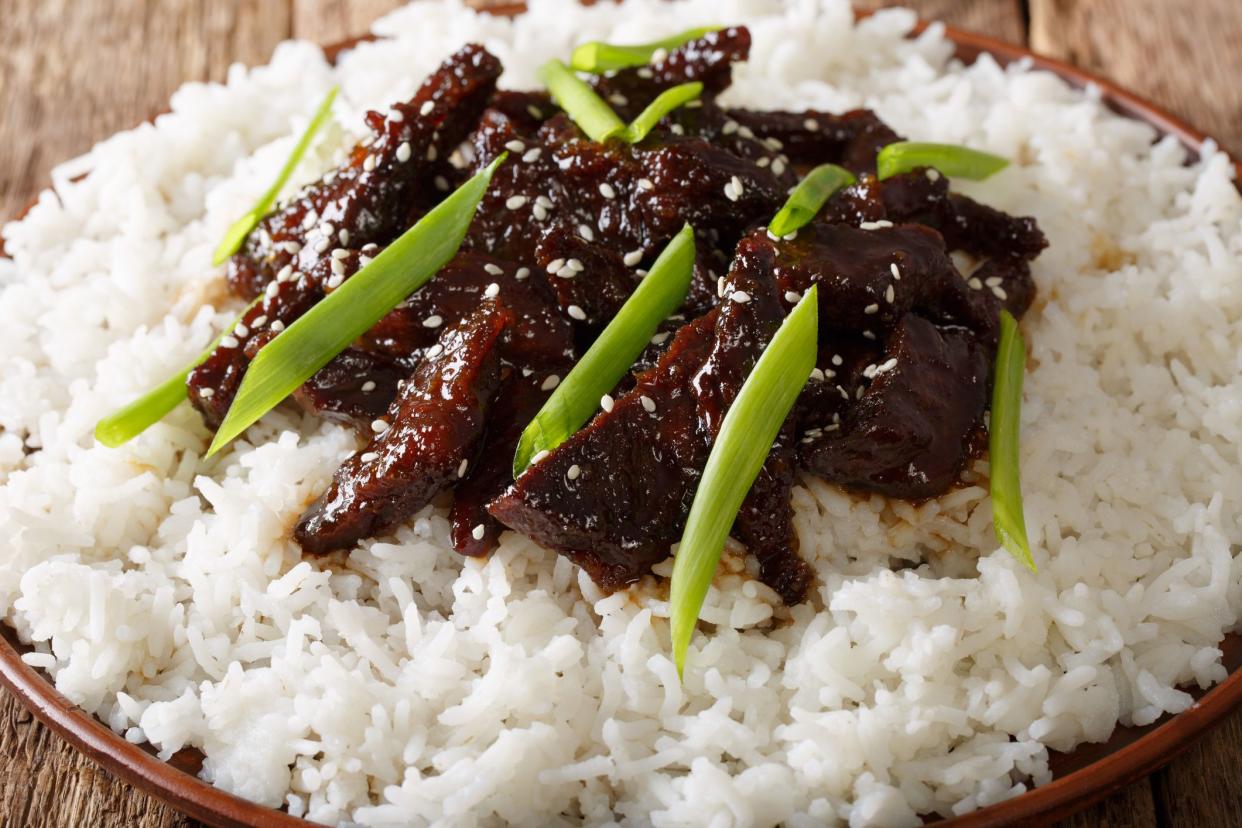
<point>407,685</point>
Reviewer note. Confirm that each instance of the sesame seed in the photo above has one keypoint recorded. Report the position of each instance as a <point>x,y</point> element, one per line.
<point>660,338</point>
<point>426,108</point>
<point>461,470</point>
<point>606,402</point>
<point>575,265</point>
<point>229,342</point>
<point>645,73</point>
<point>659,55</point>
<point>773,144</point>
<point>292,247</point>
<point>811,124</point>
<point>369,457</point>
<point>895,270</point>
<point>886,366</point>
<point>606,190</point>
<point>241,330</point>
<point>431,152</point>
<point>396,116</point>
<point>340,253</point>
<point>206,393</point>
<point>617,99</point>
<point>875,225</point>
<point>999,293</point>
<point>730,127</point>
<point>720,285</point>
<point>522,273</point>
<point>778,167</point>
<point>535,112</point>
<point>379,426</point>
<point>435,350</point>
<point>259,321</point>
<point>433,321</point>
<point>368,386</point>
<point>586,232</point>
<point>492,290</point>
<point>573,472</point>
<point>763,162</point>
<point>837,360</point>
<point>478,532</point>
<point>646,184</point>
<point>790,236</point>
<point>817,374</point>
<point>555,265</point>
<point>404,152</point>
<point>975,283</point>
<point>442,183</point>
<point>493,269</point>
<point>271,290</point>
<point>633,257</point>
<point>566,272</point>
<point>890,294</point>
<point>648,404</point>
<point>638,271</point>
<point>576,312</point>
<point>544,201</point>
<point>792,298</point>
<point>515,146</point>
<point>532,155</point>
<point>278,326</point>
<point>321,246</point>
<point>335,282</point>
<point>740,296</point>
<point>992,281</point>
<point>516,202</point>
<point>869,334</point>
<point>369,163</point>
<point>933,174</point>
<point>338,267</point>
<point>539,212</point>
<point>343,236</point>
<point>872,308</point>
<point>550,382</point>
<point>677,129</point>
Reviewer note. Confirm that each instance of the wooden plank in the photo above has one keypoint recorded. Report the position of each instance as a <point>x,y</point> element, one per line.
<point>1002,19</point>
<point>1131,807</point>
<point>329,21</point>
<point>1184,56</point>
<point>1200,787</point>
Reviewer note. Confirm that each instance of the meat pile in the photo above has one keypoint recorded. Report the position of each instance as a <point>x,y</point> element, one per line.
<point>442,387</point>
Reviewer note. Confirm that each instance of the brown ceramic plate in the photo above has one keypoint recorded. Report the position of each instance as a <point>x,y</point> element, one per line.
<point>1080,778</point>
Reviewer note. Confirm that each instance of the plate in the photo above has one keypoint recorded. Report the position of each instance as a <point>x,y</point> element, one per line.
<point>1081,777</point>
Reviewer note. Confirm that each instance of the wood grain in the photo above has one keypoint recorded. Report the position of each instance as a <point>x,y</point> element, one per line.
<point>73,73</point>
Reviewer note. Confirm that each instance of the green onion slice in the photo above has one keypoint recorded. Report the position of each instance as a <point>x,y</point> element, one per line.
<point>1003,438</point>
<point>341,317</point>
<point>809,196</point>
<point>128,422</point>
<point>580,102</point>
<point>605,57</point>
<point>744,441</point>
<point>950,159</point>
<point>666,102</point>
<point>578,396</point>
<point>241,228</point>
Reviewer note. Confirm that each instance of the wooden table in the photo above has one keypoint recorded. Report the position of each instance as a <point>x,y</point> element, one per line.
<point>73,73</point>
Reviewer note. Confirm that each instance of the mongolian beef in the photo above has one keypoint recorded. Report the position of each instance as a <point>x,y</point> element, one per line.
<point>911,280</point>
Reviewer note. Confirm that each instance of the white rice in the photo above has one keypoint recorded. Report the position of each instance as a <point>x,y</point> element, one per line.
<point>163,593</point>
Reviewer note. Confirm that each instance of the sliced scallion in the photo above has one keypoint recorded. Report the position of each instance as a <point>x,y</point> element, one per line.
<point>578,99</point>
<point>1003,439</point>
<point>809,196</point>
<point>128,422</point>
<point>241,228</point>
<point>613,353</point>
<point>738,452</point>
<point>605,57</point>
<point>950,159</point>
<point>666,102</point>
<point>341,317</point>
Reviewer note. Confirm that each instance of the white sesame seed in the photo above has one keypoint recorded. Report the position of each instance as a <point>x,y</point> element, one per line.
<point>335,282</point>
<point>229,342</point>
<point>886,366</point>
<point>539,212</point>
<point>292,247</point>
<point>431,152</point>
<point>442,183</point>
<point>322,245</point>
<point>340,253</point>
<point>555,265</point>
<point>515,146</point>
<point>606,402</point>
<point>544,201</point>
<point>872,308</point>
<point>999,293</point>
<point>379,426</point>
<point>646,184</point>
<point>426,108</point>
<point>566,272</point>
<point>773,144</point>
<point>492,290</point>
<point>272,289</point>
<point>890,294</point>
<point>874,225</point>
<point>677,129</point>
<point>975,283</point>
<point>763,162</point>
<point>895,270</point>
<point>550,382</point>
<point>837,360</point>
<point>586,232</point>
<point>817,374</point>
<point>660,338</point>
<point>516,202</point>
<point>461,470</point>
<point>790,236</point>
<point>648,404</point>
<point>343,236</point>
<point>404,152</point>
<point>792,298</point>
<point>493,269</point>
<point>206,393</point>
<point>740,296</point>
<point>522,273</point>
<point>617,99</point>
<point>368,386</point>
<point>435,350</point>
<point>645,73</point>
<point>606,190</point>
<point>369,163</point>
<point>433,321</point>
<point>778,167</point>
<point>869,334</point>
<point>745,132</point>
<point>369,457</point>
<point>659,55</point>
<point>278,326</point>
<point>259,321</point>
<point>396,116</point>
<point>532,155</point>
<point>478,532</point>
<point>993,281</point>
<point>633,257</point>
<point>640,272</point>
<point>535,112</point>
<point>811,124</point>
<point>575,265</point>
<point>573,472</point>
<point>720,285</point>
<point>933,174</point>
<point>241,330</point>
<point>576,312</point>
<point>338,267</point>
<point>730,127</point>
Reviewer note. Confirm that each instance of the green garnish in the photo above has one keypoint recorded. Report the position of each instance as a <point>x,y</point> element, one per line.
<point>604,57</point>
<point>809,196</point>
<point>950,159</point>
<point>578,396</point>
<point>737,454</point>
<point>1003,436</point>
<point>341,317</point>
<point>666,102</point>
<point>241,228</point>
<point>126,423</point>
<point>588,110</point>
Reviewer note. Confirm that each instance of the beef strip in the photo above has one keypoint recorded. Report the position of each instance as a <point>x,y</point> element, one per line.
<point>434,427</point>
<point>355,388</point>
<point>851,139</point>
<point>380,190</point>
<point>909,434</point>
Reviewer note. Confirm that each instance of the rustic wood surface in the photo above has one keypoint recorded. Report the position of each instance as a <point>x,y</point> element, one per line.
<point>72,73</point>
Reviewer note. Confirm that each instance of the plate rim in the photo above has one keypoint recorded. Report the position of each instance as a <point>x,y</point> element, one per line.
<point>1057,799</point>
